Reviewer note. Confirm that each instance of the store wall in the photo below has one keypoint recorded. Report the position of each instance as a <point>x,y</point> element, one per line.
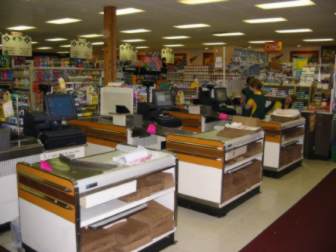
<point>287,52</point>
<point>195,56</point>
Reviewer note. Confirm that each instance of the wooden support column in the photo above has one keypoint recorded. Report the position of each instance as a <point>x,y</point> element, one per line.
<point>110,44</point>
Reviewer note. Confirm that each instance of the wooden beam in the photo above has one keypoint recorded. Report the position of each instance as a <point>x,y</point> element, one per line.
<point>110,44</point>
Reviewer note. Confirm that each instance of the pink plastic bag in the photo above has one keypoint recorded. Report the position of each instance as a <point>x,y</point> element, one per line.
<point>45,166</point>
<point>151,129</point>
<point>223,117</point>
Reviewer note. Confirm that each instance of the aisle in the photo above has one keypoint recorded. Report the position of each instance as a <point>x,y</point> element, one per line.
<point>199,232</point>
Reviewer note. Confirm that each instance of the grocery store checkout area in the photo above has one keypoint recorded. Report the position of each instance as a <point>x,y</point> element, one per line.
<point>40,142</point>
<point>218,169</point>
<point>284,141</point>
<point>11,152</point>
<point>118,122</point>
<point>121,200</point>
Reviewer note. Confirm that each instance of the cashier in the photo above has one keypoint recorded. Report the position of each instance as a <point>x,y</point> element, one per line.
<point>256,105</point>
<point>287,103</point>
<point>247,93</point>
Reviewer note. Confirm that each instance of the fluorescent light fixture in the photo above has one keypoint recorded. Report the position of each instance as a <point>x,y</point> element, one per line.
<point>175,37</point>
<point>93,35</point>
<point>194,2</point>
<point>191,26</point>
<point>302,30</point>
<point>97,43</point>
<point>260,41</point>
<point>319,40</point>
<point>65,46</point>
<point>34,42</point>
<point>140,30</point>
<point>133,40</point>
<point>21,28</point>
<point>285,4</point>
<point>61,21</point>
<point>142,47</point>
<point>125,11</point>
<point>228,34</point>
<point>214,43</point>
<point>44,48</point>
<point>63,52</point>
<point>55,39</point>
<point>265,20</point>
<point>174,45</point>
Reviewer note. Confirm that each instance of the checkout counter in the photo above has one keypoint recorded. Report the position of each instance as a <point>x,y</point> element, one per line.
<point>195,122</point>
<point>111,128</point>
<point>99,202</point>
<point>25,150</point>
<point>283,150</point>
<point>217,169</point>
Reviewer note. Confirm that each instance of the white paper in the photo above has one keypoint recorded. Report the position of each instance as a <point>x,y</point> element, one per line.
<point>134,157</point>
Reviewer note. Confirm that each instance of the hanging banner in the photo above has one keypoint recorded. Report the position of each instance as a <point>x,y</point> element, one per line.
<point>273,47</point>
<point>127,53</point>
<point>81,49</point>
<point>298,65</point>
<point>168,54</point>
<point>16,45</point>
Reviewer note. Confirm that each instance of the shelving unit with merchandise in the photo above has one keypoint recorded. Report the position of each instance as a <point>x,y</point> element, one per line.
<point>135,75</point>
<point>18,81</point>
<point>83,83</point>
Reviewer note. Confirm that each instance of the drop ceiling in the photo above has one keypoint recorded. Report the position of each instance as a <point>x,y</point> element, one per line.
<point>160,16</point>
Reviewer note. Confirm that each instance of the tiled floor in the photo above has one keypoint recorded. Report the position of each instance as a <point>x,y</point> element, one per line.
<point>200,232</point>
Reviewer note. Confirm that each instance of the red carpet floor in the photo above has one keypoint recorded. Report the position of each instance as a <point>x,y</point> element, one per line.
<point>309,226</point>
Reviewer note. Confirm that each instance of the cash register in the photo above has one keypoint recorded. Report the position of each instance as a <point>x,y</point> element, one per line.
<point>163,103</point>
<point>51,127</point>
<point>222,102</point>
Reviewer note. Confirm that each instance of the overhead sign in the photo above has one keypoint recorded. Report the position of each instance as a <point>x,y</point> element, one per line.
<point>127,52</point>
<point>168,54</point>
<point>273,47</point>
<point>81,49</point>
<point>16,45</point>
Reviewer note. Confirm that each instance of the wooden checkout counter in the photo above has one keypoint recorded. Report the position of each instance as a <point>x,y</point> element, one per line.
<point>217,169</point>
<point>92,204</point>
<point>103,132</point>
<point>283,150</point>
<point>195,122</point>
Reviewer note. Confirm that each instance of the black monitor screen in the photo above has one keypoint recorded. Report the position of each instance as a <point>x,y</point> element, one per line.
<point>221,95</point>
<point>162,98</point>
<point>60,107</point>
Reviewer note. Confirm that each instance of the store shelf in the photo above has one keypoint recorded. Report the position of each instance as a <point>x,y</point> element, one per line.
<point>292,140</point>
<point>236,165</point>
<point>239,195</point>
<point>68,68</point>
<point>100,212</point>
<point>289,164</point>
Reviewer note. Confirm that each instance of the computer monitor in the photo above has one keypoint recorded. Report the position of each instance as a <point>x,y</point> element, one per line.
<point>162,98</point>
<point>221,95</point>
<point>60,107</point>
